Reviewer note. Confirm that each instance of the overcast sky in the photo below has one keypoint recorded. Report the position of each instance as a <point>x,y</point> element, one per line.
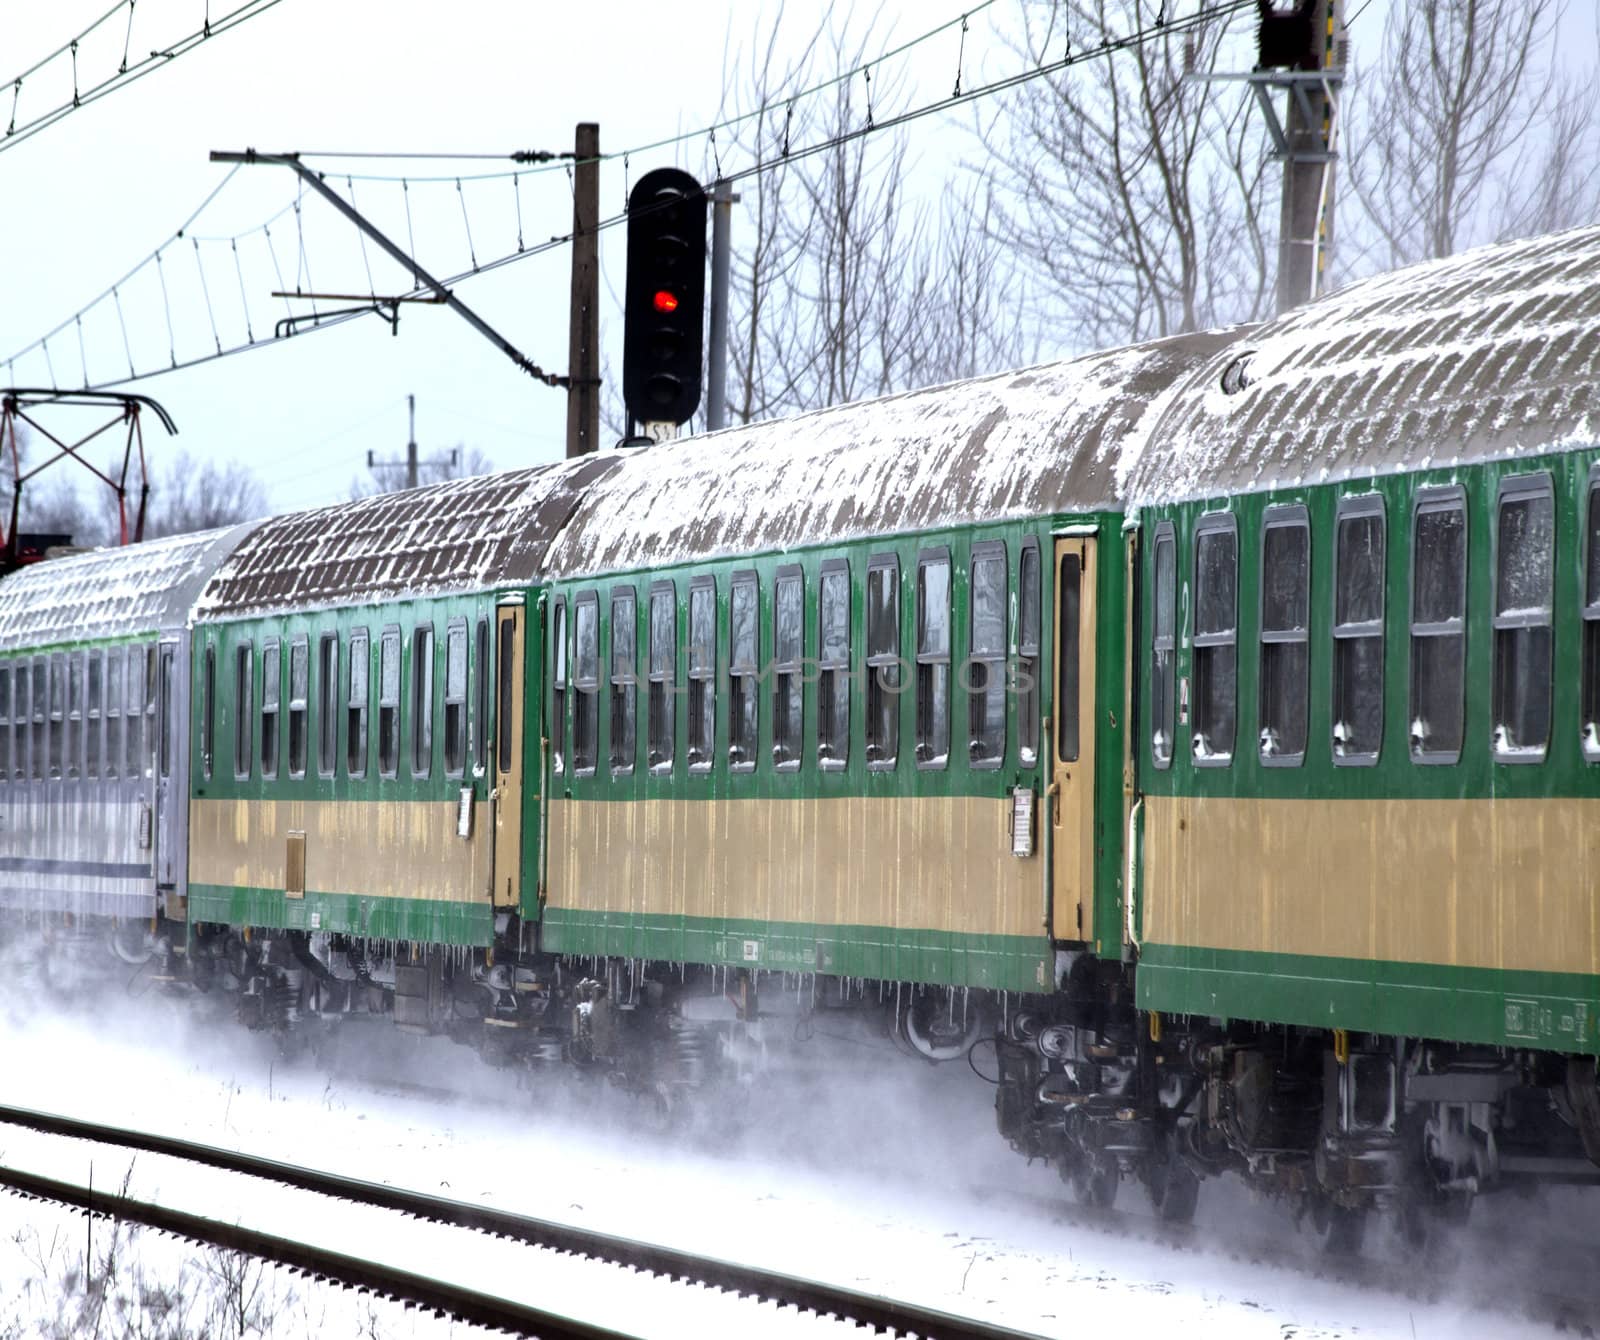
<point>89,198</point>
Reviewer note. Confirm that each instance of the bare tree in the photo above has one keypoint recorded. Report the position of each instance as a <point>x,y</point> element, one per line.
<point>188,495</point>
<point>1467,131</point>
<point>1130,191</point>
<point>848,282</point>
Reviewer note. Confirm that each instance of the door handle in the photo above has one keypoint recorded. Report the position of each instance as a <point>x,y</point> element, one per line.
<point>1053,795</point>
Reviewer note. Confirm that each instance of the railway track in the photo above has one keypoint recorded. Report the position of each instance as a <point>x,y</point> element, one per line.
<point>441,1294</point>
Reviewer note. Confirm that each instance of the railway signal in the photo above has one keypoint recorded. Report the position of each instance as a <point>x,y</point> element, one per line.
<point>663,344</point>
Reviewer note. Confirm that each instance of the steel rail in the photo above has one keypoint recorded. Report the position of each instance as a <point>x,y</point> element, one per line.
<point>403,1286</point>
<point>806,1295</point>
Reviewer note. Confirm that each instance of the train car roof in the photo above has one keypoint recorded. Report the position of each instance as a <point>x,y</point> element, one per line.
<point>462,535</point>
<point>1489,354</point>
<point>1048,439</point>
<point>108,593</point>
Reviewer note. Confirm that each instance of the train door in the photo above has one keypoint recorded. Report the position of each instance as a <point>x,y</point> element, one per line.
<point>171,794</point>
<point>1072,742</point>
<point>509,663</point>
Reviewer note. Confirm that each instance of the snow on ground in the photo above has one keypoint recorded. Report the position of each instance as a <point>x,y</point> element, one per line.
<point>884,1174</point>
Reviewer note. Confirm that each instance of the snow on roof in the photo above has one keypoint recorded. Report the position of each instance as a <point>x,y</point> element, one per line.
<point>1492,353</point>
<point>139,588</point>
<point>462,535</point>
<point>1047,439</point>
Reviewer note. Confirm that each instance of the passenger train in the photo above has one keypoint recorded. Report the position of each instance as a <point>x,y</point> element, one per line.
<point>1201,739</point>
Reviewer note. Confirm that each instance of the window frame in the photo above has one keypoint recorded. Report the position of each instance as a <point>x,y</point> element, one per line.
<point>1030,655</point>
<point>1223,522</point>
<point>828,668</point>
<point>1426,501</point>
<point>702,685</point>
<point>479,676</point>
<point>299,642</point>
<point>662,724</point>
<point>560,674</point>
<point>788,675</point>
<point>456,734</point>
<point>987,551</point>
<point>624,695</point>
<point>1283,516</point>
<point>1512,488</point>
<point>744,680</point>
<point>327,695</point>
<point>271,709</point>
<point>244,697</point>
<point>356,761</point>
<point>94,680</point>
<point>878,661</point>
<point>1359,505</point>
<point>422,699</point>
<point>930,762</point>
<point>1589,610</point>
<point>389,636</point>
<point>1166,533</point>
<point>111,762</point>
<point>6,688</point>
<point>585,690</point>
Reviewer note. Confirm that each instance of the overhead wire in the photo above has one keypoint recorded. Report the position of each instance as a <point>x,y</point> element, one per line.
<point>789,153</point>
<point>126,74</point>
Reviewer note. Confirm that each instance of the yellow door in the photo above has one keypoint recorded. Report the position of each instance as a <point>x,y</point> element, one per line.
<point>1072,743</point>
<point>508,757</point>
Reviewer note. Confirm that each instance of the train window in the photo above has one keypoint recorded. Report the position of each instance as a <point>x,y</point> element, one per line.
<point>18,729</point>
<point>208,711</point>
<point>1525,534</point>
<point>1358,577</point>
<point>506,680</point>
<point>355,705</point>
<point>833,660</point>
<point>480,738</point>
<point>558,686</point>
<point>244,693</point>
<point>624,680</point>
<point>41,718</point>
<point>5,725</point>
<point>455,699</point>
<point>985,668</point>
<point>883,662</point>
<point>94,715</point>
<point>75,717</point>
<point>702,673</point>
<point>167,721</point>
<point>744,692</point>
<point>663,671</point>
<point>788,650</point>
<point>1285,633</point>
<point>271,672</point>
<point>112,759</point>
<point>586,681</point>
<point>1026,680</point>
<point>389,702</point>
<point>933,658</point>
<point>58,716</point>
<point>299,698</point>
<point>327,704</point>
<point>1216,649</point>
<point>1163,647</point>
<point>133,724</point>
<point>1591,627</point>
<point>1438,625</point>
<point>421,701</point>
<point>1069,620</point>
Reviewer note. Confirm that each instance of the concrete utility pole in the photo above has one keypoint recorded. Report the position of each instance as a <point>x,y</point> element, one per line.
<point>583,346</point>
<point>411,446</point>
<point>1305,230</point>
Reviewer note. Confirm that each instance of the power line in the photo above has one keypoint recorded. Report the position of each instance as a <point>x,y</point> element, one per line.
<point>126,73</point>
<point>1105,49</point>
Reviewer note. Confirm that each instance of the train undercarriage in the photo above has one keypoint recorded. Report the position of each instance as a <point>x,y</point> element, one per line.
<point>1341,1129</point>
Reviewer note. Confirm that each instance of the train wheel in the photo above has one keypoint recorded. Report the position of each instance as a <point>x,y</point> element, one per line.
<point>1338,1228</point>
<point>1095,1182</point>
<point>1174,1190</point>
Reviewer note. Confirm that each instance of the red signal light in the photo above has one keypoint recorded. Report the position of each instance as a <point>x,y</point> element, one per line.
<point>663,301</point>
